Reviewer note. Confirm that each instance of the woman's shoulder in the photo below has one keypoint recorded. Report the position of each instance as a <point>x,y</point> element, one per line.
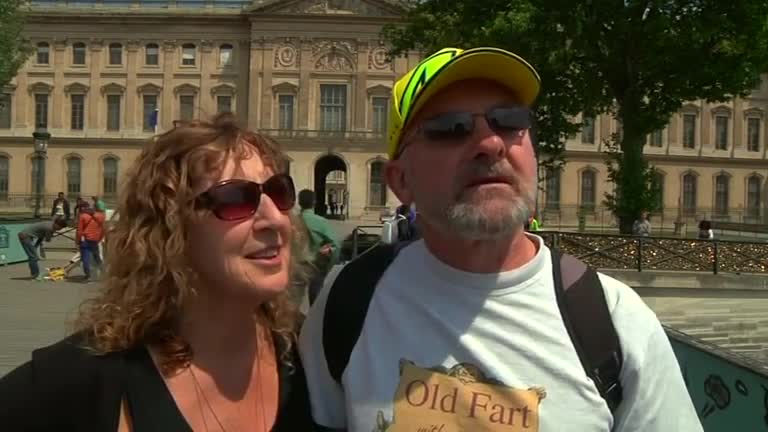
<point>73,385</point>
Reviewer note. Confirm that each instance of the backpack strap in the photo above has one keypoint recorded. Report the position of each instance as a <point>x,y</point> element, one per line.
<point>582,304</point>
<point>347,304</point>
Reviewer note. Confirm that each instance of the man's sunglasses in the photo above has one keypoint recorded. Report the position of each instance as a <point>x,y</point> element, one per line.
<point>236,199</point>
<point>453,125</point>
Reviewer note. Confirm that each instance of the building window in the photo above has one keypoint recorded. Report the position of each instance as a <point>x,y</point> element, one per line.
<point>285,117</point>
<point>188,53</point>
<point>225,55</point>
<point>689,194</point>
<point>113,112</point>
<point>654,139</point>
<point>721,194</point>
<point>152,54</point>
<point>380,107</point>
<point>73,177</point>
<point>588,190</point>
<point>43,53</point>
<point>78,53</point>
<point>754,196</point>
<point>4,176</point>
<point>109,168</point>
<point>721,133</point>
<point>150,118</point>
<point>223,104</point>
<point>377,192</point>
<point>41,110</point>
<point>5,111</point>
<point>186,107</point>
<point>78,111</point>
<point>552,191</point>
<point>753,134</point>
<point>588,130</point>
<point>115,54</point>
<point>689,131</point>
<point>658,180</point>
<point>333,107</point>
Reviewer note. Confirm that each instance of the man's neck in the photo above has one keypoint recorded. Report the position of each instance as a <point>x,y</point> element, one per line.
<point>481,256</point>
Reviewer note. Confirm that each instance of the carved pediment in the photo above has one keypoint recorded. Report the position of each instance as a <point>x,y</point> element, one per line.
<point>379,90</point>
<point>149,88</point>
<point>40,87</point>
<point>285,88</point>
<point>721,110</point>
<point>186,88</point>
<point>690,108</point>
<point>754,112</point>
<point>376,8</point>
<point>76,88</point>
<point>112,88</point>
<point>224,89</point>
<point>334,62</point>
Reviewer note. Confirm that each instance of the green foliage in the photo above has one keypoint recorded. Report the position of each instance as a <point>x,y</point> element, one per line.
<point>13,49</point>
<point>637,59</point>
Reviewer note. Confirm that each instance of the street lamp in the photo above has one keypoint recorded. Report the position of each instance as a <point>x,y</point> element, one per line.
<point>41,138</point>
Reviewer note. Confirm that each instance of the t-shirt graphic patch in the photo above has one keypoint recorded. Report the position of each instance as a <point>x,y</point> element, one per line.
<point>459,399</point>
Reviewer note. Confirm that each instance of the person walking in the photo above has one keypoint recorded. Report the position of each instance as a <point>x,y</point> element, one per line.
<point>324,247</point>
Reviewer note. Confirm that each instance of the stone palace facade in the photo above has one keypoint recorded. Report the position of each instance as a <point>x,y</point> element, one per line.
<point>314,75</point>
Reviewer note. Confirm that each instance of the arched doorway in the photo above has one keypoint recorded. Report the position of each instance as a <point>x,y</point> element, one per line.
<point>331,187</point>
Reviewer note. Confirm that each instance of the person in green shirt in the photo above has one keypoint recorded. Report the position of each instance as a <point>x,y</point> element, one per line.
<point>324,247</point>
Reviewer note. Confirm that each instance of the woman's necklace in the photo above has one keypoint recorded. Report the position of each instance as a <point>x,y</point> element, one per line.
<point>199,392</point>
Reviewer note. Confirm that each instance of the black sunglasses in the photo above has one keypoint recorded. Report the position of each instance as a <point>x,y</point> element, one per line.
<point>452,125</point>
<point>239,199</point>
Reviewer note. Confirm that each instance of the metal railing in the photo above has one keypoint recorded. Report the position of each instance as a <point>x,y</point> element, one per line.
<point>737,222</point>
<point>619,252</point>
<point>606,251</point>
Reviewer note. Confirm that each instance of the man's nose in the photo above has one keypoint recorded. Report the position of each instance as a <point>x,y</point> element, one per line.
<point>487,143</point>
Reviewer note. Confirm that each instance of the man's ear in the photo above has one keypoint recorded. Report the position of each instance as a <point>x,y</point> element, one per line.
<point>397,180</point>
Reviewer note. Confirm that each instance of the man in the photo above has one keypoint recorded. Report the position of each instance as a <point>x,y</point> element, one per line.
<point>324,247</point>
<point>90,232</point>
<point>60,207</point>
<point>642,226</point>
<point>35,234</point>
<point>463,331</point>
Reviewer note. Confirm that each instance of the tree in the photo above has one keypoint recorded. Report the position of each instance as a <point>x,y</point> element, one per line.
<point>13,49</point>
<point>637,59</point>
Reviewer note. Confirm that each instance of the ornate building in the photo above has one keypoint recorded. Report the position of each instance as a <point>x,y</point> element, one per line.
<point>105,74</point>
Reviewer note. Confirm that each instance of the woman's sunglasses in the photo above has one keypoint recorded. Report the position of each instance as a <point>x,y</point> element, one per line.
<point>239,199</point>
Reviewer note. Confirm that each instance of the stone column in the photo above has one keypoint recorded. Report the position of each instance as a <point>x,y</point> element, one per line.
<point>267,54</point>
<point>96,58</point>
<point>360,106</point>
<point>58,101</point>
<point>166,95</point>
<point>256,62</point>
<point>737,117</point>
<point>205,102</point>
<point>131,96</point>
<point>305,83</point>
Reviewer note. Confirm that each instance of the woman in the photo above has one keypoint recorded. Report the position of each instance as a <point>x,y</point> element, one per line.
<point>194,329</point>
<point>705,230</point>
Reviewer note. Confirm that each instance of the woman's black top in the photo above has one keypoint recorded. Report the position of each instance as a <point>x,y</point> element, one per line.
<point>66,388</point>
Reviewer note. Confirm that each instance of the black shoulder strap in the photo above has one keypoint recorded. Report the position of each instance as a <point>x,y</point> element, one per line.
<point>582,304</point>
<point>347,305</point>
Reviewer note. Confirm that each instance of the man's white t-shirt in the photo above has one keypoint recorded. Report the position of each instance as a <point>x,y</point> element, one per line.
<point>446,350</point>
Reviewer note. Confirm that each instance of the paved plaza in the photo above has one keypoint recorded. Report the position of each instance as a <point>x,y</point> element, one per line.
<point>34,314</point>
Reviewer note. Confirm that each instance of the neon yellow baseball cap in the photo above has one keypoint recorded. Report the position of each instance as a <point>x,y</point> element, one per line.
<point>448,66</point>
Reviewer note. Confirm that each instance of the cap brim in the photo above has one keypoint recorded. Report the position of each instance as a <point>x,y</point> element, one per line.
<point>492,64</point>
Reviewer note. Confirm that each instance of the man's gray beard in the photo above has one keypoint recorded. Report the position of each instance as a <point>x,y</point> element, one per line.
<point>472,221</point>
